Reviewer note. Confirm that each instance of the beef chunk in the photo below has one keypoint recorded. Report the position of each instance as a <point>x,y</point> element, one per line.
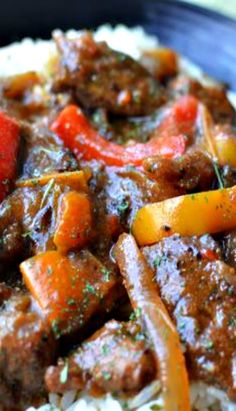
<point>27,347</point>
<point>44,153</point>
<point>115,359</point>
<point>229,248</point>
<point>122,191</point>
<point>5,293</point>
<point>215,98</point>
<point>199,291</point>
<point>190,173</point>
<point>101,77</point>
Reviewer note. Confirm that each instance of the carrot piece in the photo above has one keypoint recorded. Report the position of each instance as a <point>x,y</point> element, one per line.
<point>74,221</point>
<point>77,180</point>
<point>15,86</point>
<point>143,293</point>
<point>187,215</point>
<point>69,289</point>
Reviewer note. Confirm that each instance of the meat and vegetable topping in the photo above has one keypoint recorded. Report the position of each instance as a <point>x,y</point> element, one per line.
<point>114,146</point>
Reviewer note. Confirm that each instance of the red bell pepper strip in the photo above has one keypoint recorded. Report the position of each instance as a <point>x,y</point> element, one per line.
<point>9,143</point>
<point>169,140</point>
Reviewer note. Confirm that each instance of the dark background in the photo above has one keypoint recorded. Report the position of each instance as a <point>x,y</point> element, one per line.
<point>207,38</point>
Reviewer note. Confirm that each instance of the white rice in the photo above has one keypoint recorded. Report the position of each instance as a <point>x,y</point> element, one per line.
<point>30,55</point>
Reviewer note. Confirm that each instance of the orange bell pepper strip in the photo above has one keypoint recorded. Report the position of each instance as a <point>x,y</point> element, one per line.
<point>68,289</point>
<point>74,221</point>
<point>226,148</point>
<point>9,144</point>
<point>143,293</point>
<point>169,139</point>
<point>220,141</point>
<point>77,180</point>
<point>187,215</point>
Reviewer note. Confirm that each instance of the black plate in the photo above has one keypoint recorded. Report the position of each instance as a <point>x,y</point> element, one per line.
<point>206,37</point>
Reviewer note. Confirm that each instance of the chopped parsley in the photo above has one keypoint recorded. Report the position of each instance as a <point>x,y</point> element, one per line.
<point>47,191</point>
<point>218,174</point>
<point>71,301</point>
<point>106,274</point>
<point>106,375</point>
<point>56,328</point>
<point>157,261</point>
<point>123,207</point>
<point>27,234</point>
<point>136,314</point>
<point>89,288</point>
<point>209,344</point>
<point>105,349</point>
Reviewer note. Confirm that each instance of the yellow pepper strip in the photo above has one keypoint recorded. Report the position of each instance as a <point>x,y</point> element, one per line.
<point>226,150</point>
<point>143,293</point>
<point>220,141</point>
<point>192,214</point>
<point>77,180</point>
<point>74,221</point>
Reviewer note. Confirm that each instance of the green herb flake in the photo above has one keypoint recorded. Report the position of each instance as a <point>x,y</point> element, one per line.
<point>89,288</point>
<point>64,373</point>
<point>105,349</point>
<point>27,234</point>
<point>56,328</point>
<point>106,274</point>
<point>156,407</point>
<point>106,375</point>
<point>71,301</point>
<point>123,207</point>
<point>232,322</point>
<point>209,344</point>
<point>157,261</point>
<point>47,191</point>
<point>218,174</point>
<point>136,314</point>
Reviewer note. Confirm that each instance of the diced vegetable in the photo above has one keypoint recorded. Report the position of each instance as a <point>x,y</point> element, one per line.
<point>77,180</point>
<point>226,149</point>
<point>9,143</point>
<point>162,62</point>
<point>170,138</point>
<point>15,86</point>
<point>220,140</point>
<point>188,215</point>
<point>69,289</point>
<point>74,221</point>
<point>143,293</point>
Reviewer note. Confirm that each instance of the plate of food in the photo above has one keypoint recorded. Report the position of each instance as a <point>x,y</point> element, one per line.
<point>118,219</point>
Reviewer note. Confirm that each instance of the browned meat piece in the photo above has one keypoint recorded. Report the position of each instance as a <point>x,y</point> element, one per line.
<point>229,248</point>
<point>229,176</point>
<point>44,153</point>
<point>5,293</point>
<point>191,172</point>
<point>121,192</point>
<point>115,359</point>
<point>215,98</point>
<point>199,291</point>
<point>28,220</point>
<point>27,348</point>
<point>101,77</point>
